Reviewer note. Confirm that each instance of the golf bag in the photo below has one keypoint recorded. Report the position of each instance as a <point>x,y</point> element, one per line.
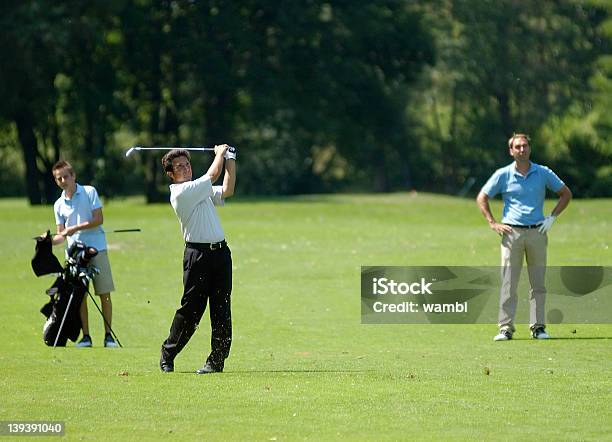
<point>68,290</point>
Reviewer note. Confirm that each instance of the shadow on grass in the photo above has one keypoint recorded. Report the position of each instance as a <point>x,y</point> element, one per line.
<point>284,371</point>
<point>564,339</point>
<point>580,337</point>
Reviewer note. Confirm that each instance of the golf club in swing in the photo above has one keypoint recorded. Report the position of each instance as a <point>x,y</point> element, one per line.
<point>111,231</point>
<point>139,148</point>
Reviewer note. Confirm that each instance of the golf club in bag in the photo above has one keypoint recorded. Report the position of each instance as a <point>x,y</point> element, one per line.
<point>68,290</point>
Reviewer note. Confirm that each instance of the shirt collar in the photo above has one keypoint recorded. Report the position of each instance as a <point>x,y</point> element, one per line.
<point>532,169</point>
<point>77,191</point>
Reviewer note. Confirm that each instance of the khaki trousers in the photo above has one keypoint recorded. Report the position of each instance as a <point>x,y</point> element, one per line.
<point>530,244</point>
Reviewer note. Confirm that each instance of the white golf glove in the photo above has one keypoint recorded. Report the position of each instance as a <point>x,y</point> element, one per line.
<point>230,153</point>
<point>547,224</point>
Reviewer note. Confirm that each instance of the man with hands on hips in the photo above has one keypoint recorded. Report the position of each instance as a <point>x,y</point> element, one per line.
<point>523,229</point>
<point>207,260</point>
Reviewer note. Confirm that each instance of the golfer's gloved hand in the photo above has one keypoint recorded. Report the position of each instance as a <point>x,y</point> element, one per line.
<point>547,224</point>
<point>230,153</point>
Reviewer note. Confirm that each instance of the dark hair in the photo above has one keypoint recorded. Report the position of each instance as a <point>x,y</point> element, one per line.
<point>174,153</point>
<point>61,164</point>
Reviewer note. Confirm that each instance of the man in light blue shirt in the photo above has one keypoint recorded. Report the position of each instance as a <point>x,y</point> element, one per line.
<point>78,216</point>
<point>523,228</point>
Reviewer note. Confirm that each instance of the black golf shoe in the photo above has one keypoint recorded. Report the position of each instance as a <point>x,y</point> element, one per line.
<point>209,368</point>
<point>166,366</point>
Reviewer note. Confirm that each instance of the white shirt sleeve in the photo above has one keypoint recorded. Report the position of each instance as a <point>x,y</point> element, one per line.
<point>217,196</point>
<point>190,193</point>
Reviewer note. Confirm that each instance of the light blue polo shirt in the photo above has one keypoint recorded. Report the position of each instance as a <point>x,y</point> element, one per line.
<point>523,195</point>
<point>78,209</point>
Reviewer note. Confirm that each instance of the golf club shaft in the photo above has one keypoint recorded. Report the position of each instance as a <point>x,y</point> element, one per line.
<point>200,148</point>
<point>107,231</point>
<point>61,327</point>
<point>105,321</point>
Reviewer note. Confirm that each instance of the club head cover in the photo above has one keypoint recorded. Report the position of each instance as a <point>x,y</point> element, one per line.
<point>44,261</point>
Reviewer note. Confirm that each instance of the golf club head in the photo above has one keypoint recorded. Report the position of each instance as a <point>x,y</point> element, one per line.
<point>129,151</point>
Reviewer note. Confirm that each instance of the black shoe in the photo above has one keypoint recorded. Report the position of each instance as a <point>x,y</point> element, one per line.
<point>166,366</point>
<point>209,368</point>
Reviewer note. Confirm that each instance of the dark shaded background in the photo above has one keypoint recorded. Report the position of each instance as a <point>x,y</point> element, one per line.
<point>318,96</point>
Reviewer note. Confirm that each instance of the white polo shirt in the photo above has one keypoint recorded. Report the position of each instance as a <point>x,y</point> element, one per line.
<point>194,203</point>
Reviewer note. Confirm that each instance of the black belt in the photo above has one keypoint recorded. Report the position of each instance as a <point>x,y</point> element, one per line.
<point>532,226</point>
<point>205,246</point>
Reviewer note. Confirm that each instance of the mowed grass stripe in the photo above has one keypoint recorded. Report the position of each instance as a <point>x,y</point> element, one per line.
<point>302,366</point>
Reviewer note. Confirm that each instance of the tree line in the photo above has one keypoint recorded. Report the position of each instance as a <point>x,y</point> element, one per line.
<point>319,96</point>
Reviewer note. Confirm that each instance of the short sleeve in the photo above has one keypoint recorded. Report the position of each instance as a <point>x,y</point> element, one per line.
<point>494,184</point>
<point>217,196</point>
<point>553,182</point>
<point>191,192</point>
<point>94,199</point>
<point>59,219</point>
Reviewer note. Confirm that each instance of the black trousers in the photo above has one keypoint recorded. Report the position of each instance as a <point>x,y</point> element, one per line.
<point>207,278</point>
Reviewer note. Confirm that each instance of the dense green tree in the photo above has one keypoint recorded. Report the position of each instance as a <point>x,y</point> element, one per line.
<point>284,82</point>
<point>504,66</point>
<point>31,42</point>
<point>579,141</point>
<point>58,90</point>
<point>319,95</point>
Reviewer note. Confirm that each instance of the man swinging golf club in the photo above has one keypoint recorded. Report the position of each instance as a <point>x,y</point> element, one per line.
<point>207,261</point>
<point>523,230</point>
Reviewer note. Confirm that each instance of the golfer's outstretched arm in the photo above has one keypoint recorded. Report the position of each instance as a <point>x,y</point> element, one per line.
<point>229,180</point>
<point>214,171</point>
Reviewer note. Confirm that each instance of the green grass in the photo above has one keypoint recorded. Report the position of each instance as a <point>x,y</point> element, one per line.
<point>302,366</point>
